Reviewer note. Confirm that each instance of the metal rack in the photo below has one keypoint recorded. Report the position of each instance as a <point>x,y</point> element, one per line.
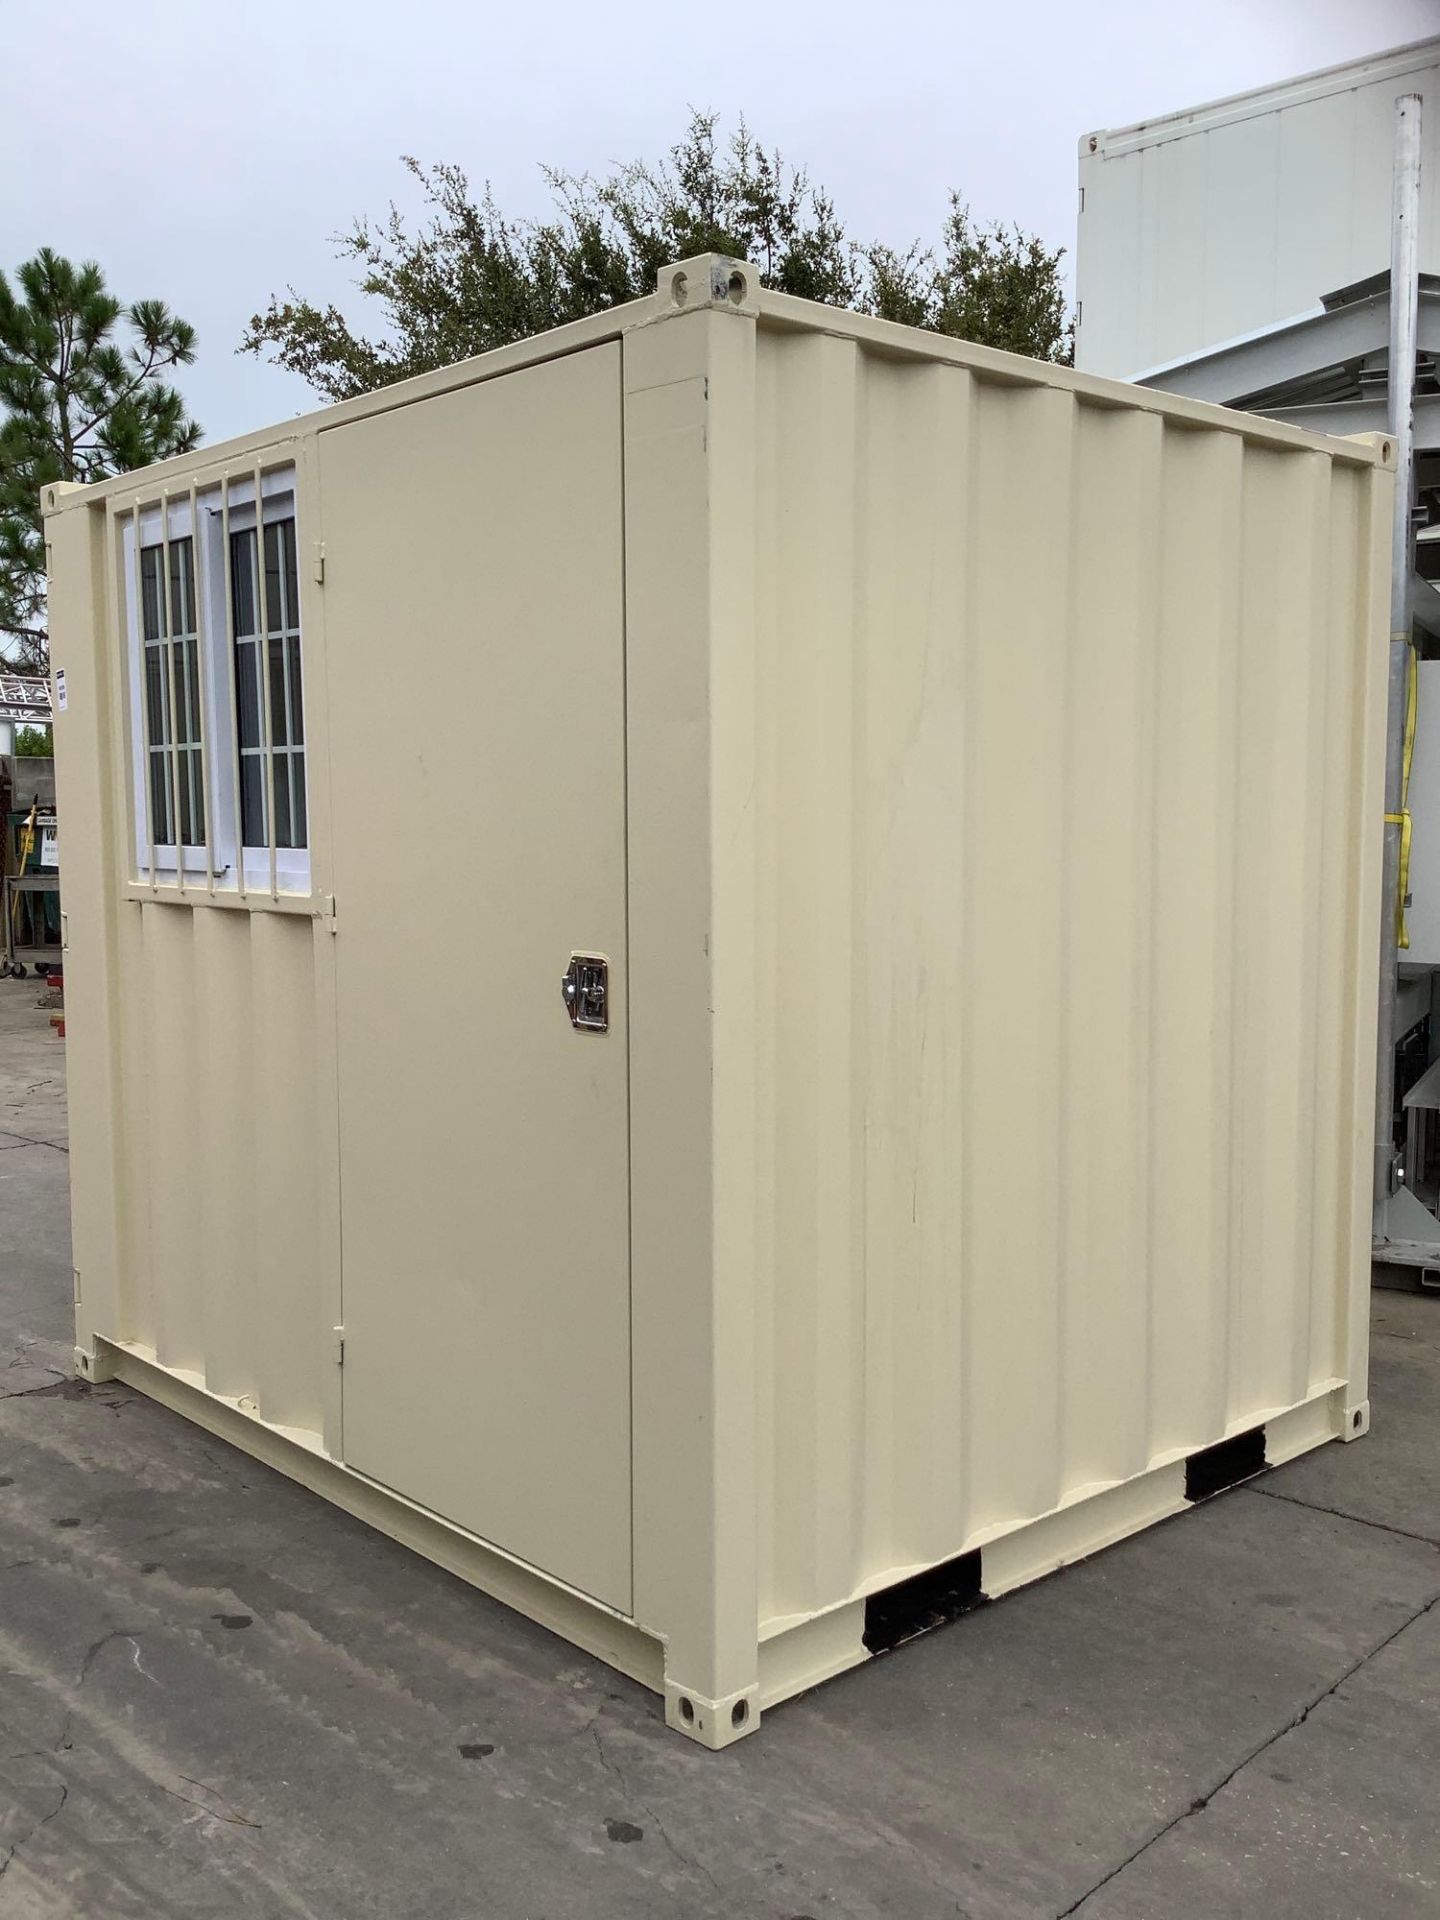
<point>25,880</point>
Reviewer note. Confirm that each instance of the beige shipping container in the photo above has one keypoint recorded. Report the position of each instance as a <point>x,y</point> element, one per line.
<point>948,787</point>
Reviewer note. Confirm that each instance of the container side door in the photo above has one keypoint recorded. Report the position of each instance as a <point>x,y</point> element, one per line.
<point>475,644</point>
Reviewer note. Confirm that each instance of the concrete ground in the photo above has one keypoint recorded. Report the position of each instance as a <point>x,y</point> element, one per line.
<point>220,1697</point>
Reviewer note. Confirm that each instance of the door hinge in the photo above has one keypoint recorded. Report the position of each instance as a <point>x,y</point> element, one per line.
<point>76,1272</point>
<point>339,1333</point>
<point>319,566</point>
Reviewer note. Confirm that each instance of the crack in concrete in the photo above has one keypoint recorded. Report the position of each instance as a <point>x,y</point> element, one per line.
<point>26,1838</point>
<point>48,1386</point>
<point>61,1743</point>
<point>65,1387</point>
<point>230,1817</point>
<point>1339,1513</point>
<point>1202,1802</point>
<point>644,1806</point>
<point>96,1647</point>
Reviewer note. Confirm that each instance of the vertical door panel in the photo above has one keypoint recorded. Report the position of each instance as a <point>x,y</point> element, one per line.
<point>474,635</point>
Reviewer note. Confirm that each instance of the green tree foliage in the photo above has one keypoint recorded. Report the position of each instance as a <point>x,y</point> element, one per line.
<point>995,285</point>
<point>32,743</point>
<point>469,278</point>
<point>83,392</point>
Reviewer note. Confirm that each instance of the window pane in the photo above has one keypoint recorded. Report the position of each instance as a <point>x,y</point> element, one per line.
<point>182,693</point>
<point>279,731</point>
<point>247,692</point>
<point>182,586</point>
<point>298,820</point>
<point>157,695</point>
<point>192,828</point>
<point>242,580</point>
<point>252,800</point>
<point>160,826</point>
<point>187,829</point>
<point>274,605</point>
<point>151,604</point>
<point>297,704</point>
<point>282,803</point>
<point>292,584</point>
<point>189,657</point>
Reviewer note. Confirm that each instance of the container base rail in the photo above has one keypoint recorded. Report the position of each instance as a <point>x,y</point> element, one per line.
<point>890,1609</point>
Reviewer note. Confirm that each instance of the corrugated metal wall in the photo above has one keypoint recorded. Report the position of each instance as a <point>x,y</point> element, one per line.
<point>224,1153</point>
<point>1062,721</point>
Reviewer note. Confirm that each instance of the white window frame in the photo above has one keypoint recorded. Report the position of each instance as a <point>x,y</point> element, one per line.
<point>217,644</point>
<point>177,528</point>
<point>292,864</point>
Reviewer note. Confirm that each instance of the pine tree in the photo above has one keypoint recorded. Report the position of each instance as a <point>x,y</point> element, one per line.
<point>80,401</point>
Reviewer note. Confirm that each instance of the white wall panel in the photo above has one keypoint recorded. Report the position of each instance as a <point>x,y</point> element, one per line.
<point>1205,225</point>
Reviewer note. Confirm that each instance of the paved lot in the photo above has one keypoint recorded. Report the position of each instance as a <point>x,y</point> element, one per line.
<point>220,1697</point>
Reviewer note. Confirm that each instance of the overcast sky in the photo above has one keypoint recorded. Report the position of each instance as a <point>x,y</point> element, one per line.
<point>204,154</point>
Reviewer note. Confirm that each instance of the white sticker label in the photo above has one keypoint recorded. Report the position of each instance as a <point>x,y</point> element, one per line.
<point>49,847</point>
<point>62,699</point>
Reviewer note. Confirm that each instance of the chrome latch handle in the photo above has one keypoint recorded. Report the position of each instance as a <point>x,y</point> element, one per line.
<point>585,989</point>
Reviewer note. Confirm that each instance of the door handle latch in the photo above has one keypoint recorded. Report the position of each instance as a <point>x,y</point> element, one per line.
<point>586,989</point>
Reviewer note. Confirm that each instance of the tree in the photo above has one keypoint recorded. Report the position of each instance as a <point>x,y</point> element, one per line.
<point>995,285</point>
<point>80,401</point>
<point>32,743</point>
<point>469,278</point>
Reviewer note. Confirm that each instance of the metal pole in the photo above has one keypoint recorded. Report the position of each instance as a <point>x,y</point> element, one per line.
<point>1404,303</point>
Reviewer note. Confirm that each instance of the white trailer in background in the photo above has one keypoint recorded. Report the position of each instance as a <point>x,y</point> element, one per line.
<point>1202,226</point>
<point>1243,252</point>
